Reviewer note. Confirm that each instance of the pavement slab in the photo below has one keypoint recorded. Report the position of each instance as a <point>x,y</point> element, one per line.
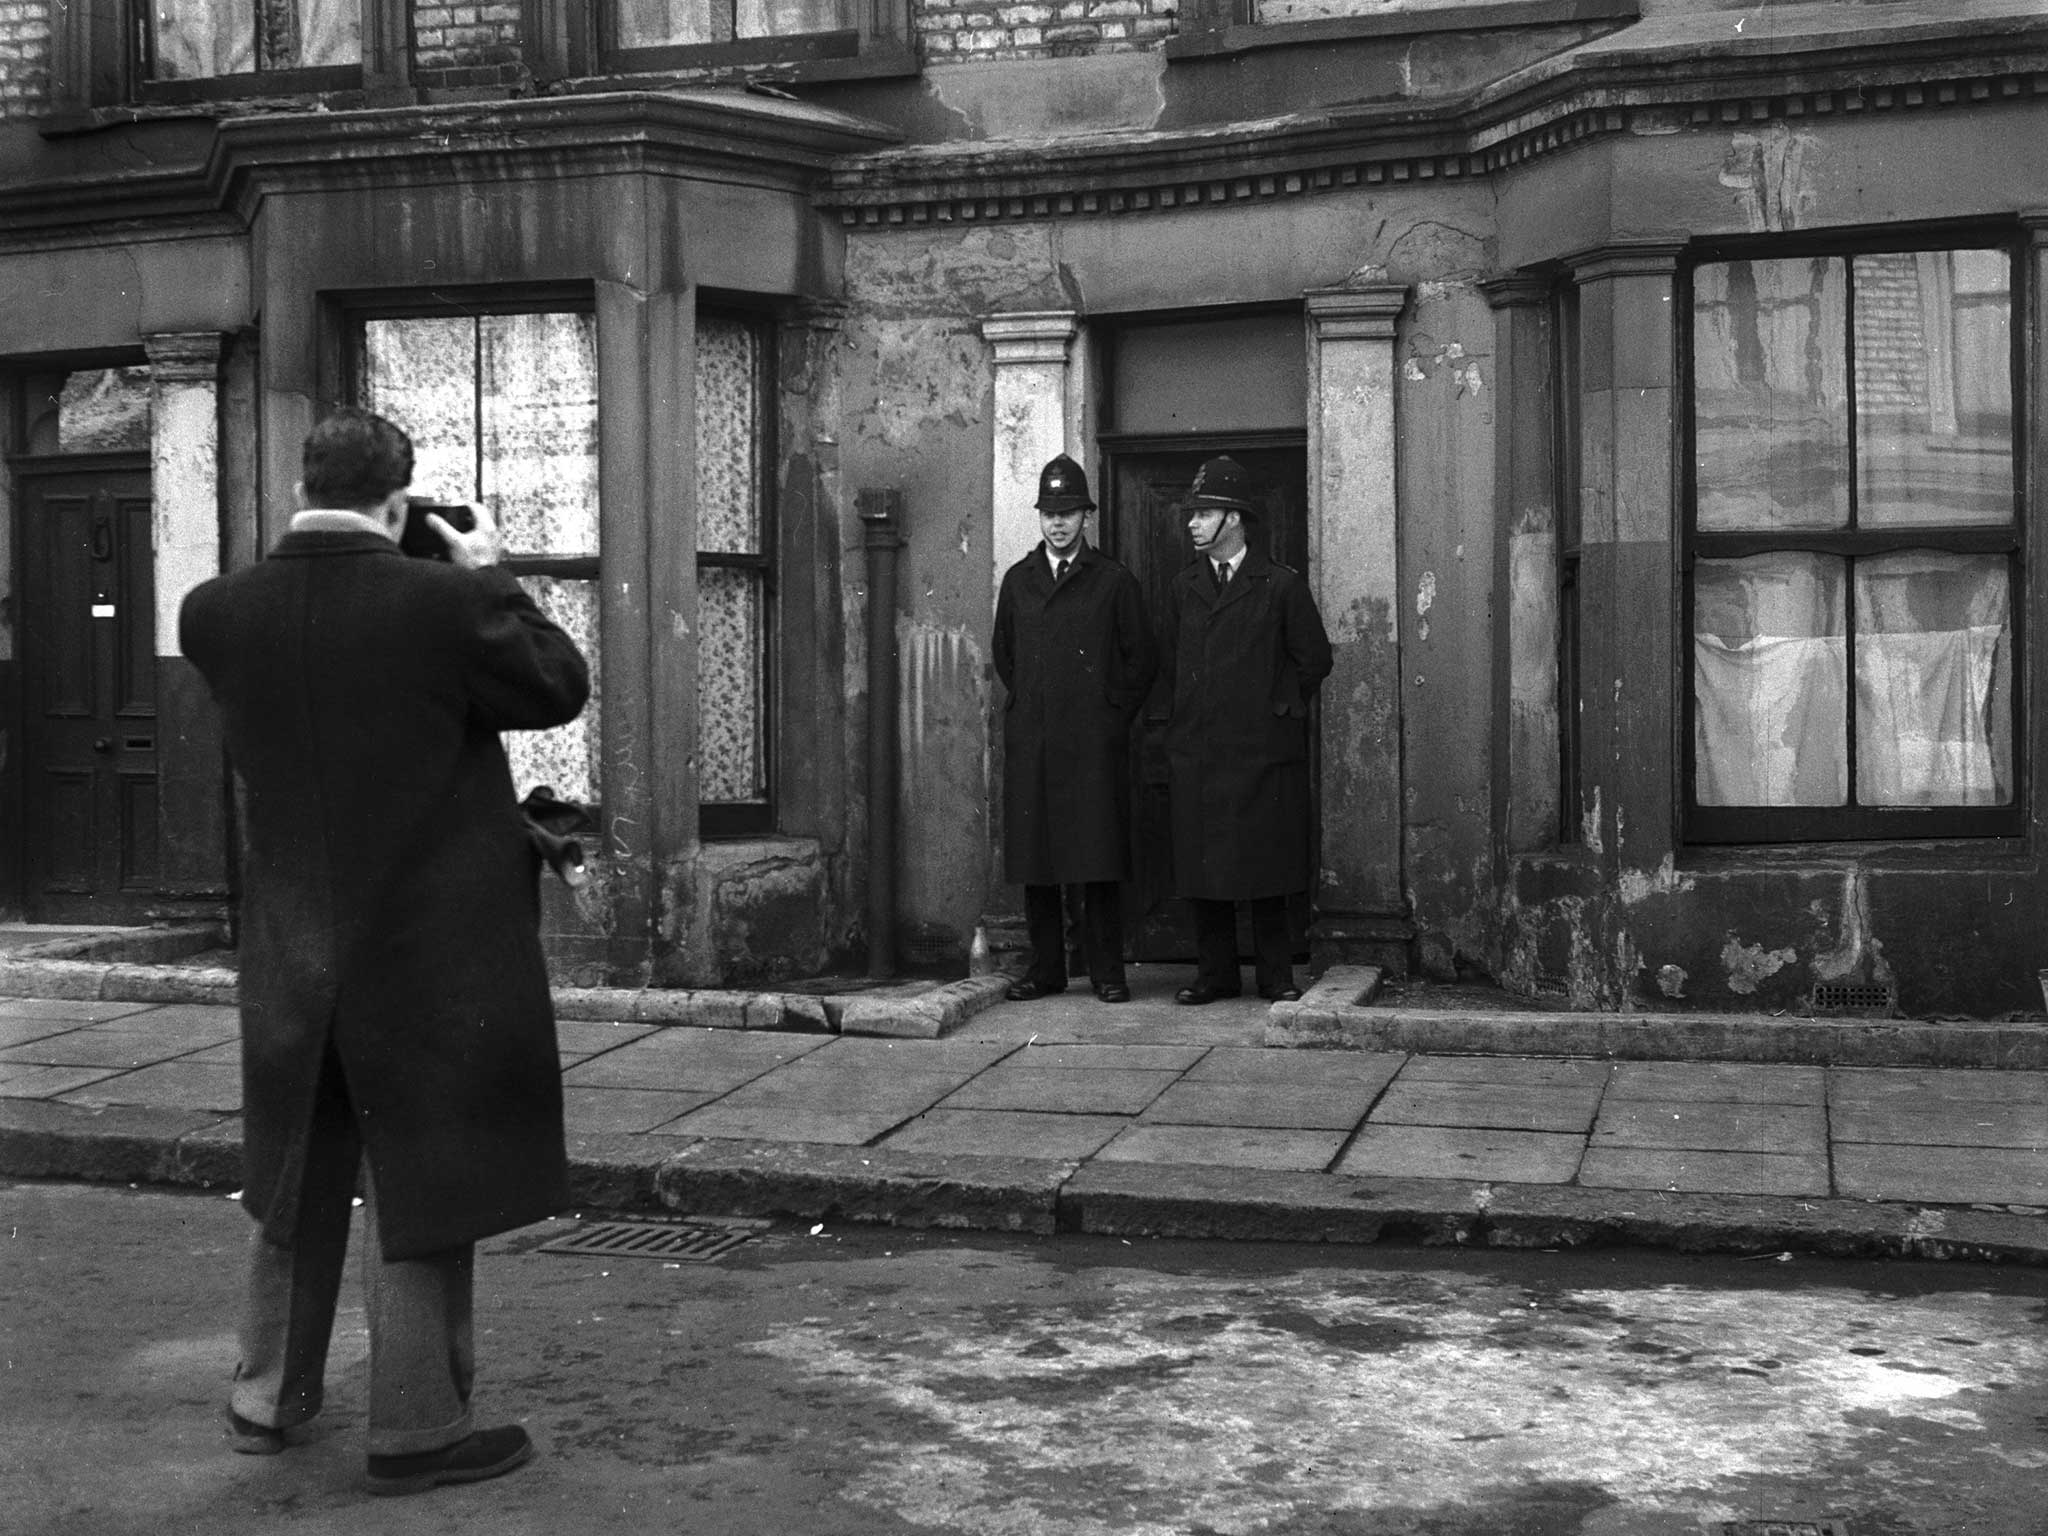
<point>1105,1091</point>
<point>1906,1086</point>
<point>1093,1058</point>
<point>1717,1082</point>
<point>1507,1071</point>
<point>24,1080</point>
<point>1775,1128</point>
<point>1568,1107</point>
<point>1324,1069</point>
<point>1705,1172</point>
<point>1006,1133</point>
<point>1941,1175</point>
<point>174,1084</point>
<point>625,1109</point>
<point>68,1010</point>
<point>1490,1154</point>
<point>1987,1124</point>
<point>1225,1146</point>
<point>1270,1105</point>
<point>86,1048</point>
<point>789,1121</point>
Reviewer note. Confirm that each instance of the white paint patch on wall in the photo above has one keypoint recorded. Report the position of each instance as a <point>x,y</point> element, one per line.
<point>932,661</point>
<point>1750,965</point>
<point>1425,599</point>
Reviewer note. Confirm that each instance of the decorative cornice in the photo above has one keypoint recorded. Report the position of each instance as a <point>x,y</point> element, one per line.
<point>1363,313</point>
<point>1035,336</point>
<point>1472,138</point>
<point>184,357</point>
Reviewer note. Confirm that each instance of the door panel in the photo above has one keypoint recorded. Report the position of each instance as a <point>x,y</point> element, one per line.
<point>1146,528</point>
<point>89,650</point>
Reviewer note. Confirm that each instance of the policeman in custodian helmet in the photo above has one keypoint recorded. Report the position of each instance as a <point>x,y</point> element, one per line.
<point>1075,653</point>
<point>1245,651</point>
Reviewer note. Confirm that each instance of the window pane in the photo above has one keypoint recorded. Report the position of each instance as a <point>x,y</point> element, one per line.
<point>728,435</point>
<point>1934,388</point>
<point>329,32</point>
<point>1769,669</point>
<point>673,23</point>
<point>730,666</point>
<point>422,374</point>
<point>791,18</point>
<point>565,758</point>
<point>104,410</point>
<point>198,39</point>
<point>1770,393</point>
<point>1933,680</point>
<point>539,431</point>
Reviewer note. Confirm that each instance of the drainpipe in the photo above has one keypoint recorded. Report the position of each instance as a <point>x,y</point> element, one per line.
<point>881,513</point>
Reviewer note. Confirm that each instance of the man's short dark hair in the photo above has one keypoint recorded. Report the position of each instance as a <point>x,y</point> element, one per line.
<point>354,459</point>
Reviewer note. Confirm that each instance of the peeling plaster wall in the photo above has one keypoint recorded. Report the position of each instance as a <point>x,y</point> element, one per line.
<point>1446,392</point>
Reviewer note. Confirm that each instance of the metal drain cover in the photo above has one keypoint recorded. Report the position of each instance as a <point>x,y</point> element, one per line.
<point>1774,1528</point>
<point>692,1240</point>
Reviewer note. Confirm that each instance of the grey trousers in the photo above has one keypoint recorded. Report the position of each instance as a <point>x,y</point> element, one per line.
<point>422,1337</point>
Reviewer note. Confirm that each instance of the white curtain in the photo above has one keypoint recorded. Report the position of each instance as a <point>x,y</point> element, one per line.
<point>1933,680</point>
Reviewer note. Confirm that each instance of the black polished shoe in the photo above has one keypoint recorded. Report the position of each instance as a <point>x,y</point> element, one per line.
<point>1284,995</point>
<point>249,1438</point>
<point>1200,994</point>
<point>1025,990</point>
<point>1114,992</point>
<point>487,1453</point>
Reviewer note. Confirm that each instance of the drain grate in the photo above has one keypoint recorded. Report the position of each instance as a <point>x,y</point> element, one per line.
<point>692,1240</point>
<point>1854,997</point>
<point>1774,1528</point>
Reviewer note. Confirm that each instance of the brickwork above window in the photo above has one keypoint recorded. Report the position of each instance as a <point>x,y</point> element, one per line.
<point>24,58</point>
<point>966,31</point>
<point>455,42</point>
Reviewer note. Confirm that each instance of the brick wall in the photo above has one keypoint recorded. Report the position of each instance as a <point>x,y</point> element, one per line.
<point>967,31</point>
<point>24,57</point>
<point>465,42</point>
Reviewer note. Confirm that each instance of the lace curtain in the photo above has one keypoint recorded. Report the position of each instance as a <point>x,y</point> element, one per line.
<point>201,39</point>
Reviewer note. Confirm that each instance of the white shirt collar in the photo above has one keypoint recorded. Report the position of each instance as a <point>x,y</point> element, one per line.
<point>337,520</point>
<point>1234,561</point>
<point>1052,561</point>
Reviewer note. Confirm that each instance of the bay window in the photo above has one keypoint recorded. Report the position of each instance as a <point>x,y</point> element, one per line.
<point>502,410</point>
<point>1853,545</point>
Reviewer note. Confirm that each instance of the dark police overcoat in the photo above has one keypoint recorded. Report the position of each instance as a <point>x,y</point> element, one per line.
<point>1077,662</point>
<point>1245,664</point>
<point>390,906</point>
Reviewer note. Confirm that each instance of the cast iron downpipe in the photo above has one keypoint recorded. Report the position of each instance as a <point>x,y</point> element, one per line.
<point>881,513</point>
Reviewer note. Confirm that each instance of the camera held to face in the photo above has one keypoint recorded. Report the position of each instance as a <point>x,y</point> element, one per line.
<point>421,538</point>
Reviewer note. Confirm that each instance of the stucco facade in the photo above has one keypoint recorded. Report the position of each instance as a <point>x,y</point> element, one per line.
<point>1437,259</point>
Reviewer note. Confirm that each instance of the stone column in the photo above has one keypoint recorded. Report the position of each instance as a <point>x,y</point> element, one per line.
<point>1526,574</point>
<point>1629,647</point>
<point>185,533</point>
<point>184,467</point>
<point>1361,909</point>
<point>1033,420</point>
<point>1031,423</point>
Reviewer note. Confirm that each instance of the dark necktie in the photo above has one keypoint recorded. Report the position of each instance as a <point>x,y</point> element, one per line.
<point>1059,573</point>
<point>1222,574</point>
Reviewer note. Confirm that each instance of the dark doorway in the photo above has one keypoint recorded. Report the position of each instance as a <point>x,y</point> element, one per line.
<point>88,611</point>
<point>1145,526</point>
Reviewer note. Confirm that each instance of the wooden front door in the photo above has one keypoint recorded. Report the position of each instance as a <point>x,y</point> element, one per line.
<point>88,604</point>
<point>1146,528</point>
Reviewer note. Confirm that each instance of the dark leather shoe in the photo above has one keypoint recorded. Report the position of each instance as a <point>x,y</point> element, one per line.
<point>1284,995</point>
<point>1025,990</point>
<point>1114,993</point>
<point>252,1439</point>
<point>487,1453</point>
<point>1199,994</point>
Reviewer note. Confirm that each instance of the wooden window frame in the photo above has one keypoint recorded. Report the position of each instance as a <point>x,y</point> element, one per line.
<point>1720,824</point>
<point>731,820</point>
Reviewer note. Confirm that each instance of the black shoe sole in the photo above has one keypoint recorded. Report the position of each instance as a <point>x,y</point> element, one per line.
<point>421,1482</point>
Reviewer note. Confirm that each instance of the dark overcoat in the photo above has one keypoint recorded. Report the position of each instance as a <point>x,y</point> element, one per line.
<point>1245,664</point>
<point>390,904</point>
<point>1077,662</point>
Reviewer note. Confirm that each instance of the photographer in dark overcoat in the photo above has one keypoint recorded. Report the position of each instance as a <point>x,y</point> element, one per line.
<point>396,1017</point>
<point>1074,650</point>
<point>1245,650</point>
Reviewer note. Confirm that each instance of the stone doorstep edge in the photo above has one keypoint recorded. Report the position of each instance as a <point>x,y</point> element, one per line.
<point>1316,1024</point>
<point>810,1181</point>
<point>925,1015</point>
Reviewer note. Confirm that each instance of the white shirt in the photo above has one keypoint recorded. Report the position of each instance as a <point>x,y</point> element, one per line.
<point>1072,558</point>
<point>1232,564</point>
